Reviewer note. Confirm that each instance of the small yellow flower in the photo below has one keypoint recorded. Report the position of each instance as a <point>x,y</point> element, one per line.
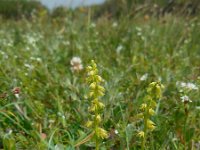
<point>91,73</point>
<point>93,85</point>
<point>99,78</point>
<point>101,105</point>
<point>93,64</point>
<point>89,124</point>
<point>140,116</point>
<point>141,134</point>
<point>150,125</point>
<point>98,118</point>
<point>152,84</point>
<point>91,108</point>
<point>155,89</point>
<point>151,112</point>
<point>143,106</point>
<point>96,106</point>
<point>100,93</point>
<point>158,91</point>
<point>101,88</point>
<point>102,133</point>
<point>153,104</point>
<point>91,94</point>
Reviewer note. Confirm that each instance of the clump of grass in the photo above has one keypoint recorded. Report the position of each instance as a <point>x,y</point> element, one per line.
<point>51,100</point>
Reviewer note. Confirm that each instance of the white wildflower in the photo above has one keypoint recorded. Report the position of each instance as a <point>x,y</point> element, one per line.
<point>2,53</point>
<point>67,43</point>
<point>17,96</point>
<point>9,44</point>
<point>51,121</point>
<point>31,67</point>
<point>139,33</point>
<point>144,77</point>
<point>38,59</point>
<point>129,125</point>
<point>116,132</point>
<point>31,40</point>
<point>183,84</point>
<point>138,29</point>
<point>76,64</point>
<point>159,78</point>
<point>93,25</point>
<point>185,99</point>
<point>192,86</point>
<point>114,25</point>
<point>27,48</point>
<point>189,85</point>
<point>119,48</point>
<point>59,114</point>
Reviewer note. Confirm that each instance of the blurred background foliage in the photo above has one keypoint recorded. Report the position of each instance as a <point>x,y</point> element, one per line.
<point>115,8</point>
<point>19,8</point>
<point>160,7</point>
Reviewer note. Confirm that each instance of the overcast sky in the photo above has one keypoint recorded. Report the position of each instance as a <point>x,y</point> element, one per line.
<point>69,3</point>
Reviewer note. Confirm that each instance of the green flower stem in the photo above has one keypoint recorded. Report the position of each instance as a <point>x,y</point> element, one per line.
<point>145,131</point>
<point>96,127</point>
<point>185,124</point>
<point>97,144</point>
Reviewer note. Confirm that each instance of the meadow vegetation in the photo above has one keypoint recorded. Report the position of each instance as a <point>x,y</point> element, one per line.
<point>140,92</point>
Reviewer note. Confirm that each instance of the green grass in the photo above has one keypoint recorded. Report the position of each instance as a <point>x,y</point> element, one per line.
<point>35,56</point>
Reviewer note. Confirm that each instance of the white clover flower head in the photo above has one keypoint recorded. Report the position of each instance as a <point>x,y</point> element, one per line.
<point>180,84</point>
<point>116,131</point>
<point>185,99</point>
<point>189,85</point>
<point>76,64</point>
<point>183,84</point>
<point>144,77</point>
<point>192,86</point>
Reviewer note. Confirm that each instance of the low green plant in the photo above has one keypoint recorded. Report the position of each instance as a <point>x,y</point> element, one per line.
<point>96,106</point>
<point>96,91</point>
<point>154,92</point>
